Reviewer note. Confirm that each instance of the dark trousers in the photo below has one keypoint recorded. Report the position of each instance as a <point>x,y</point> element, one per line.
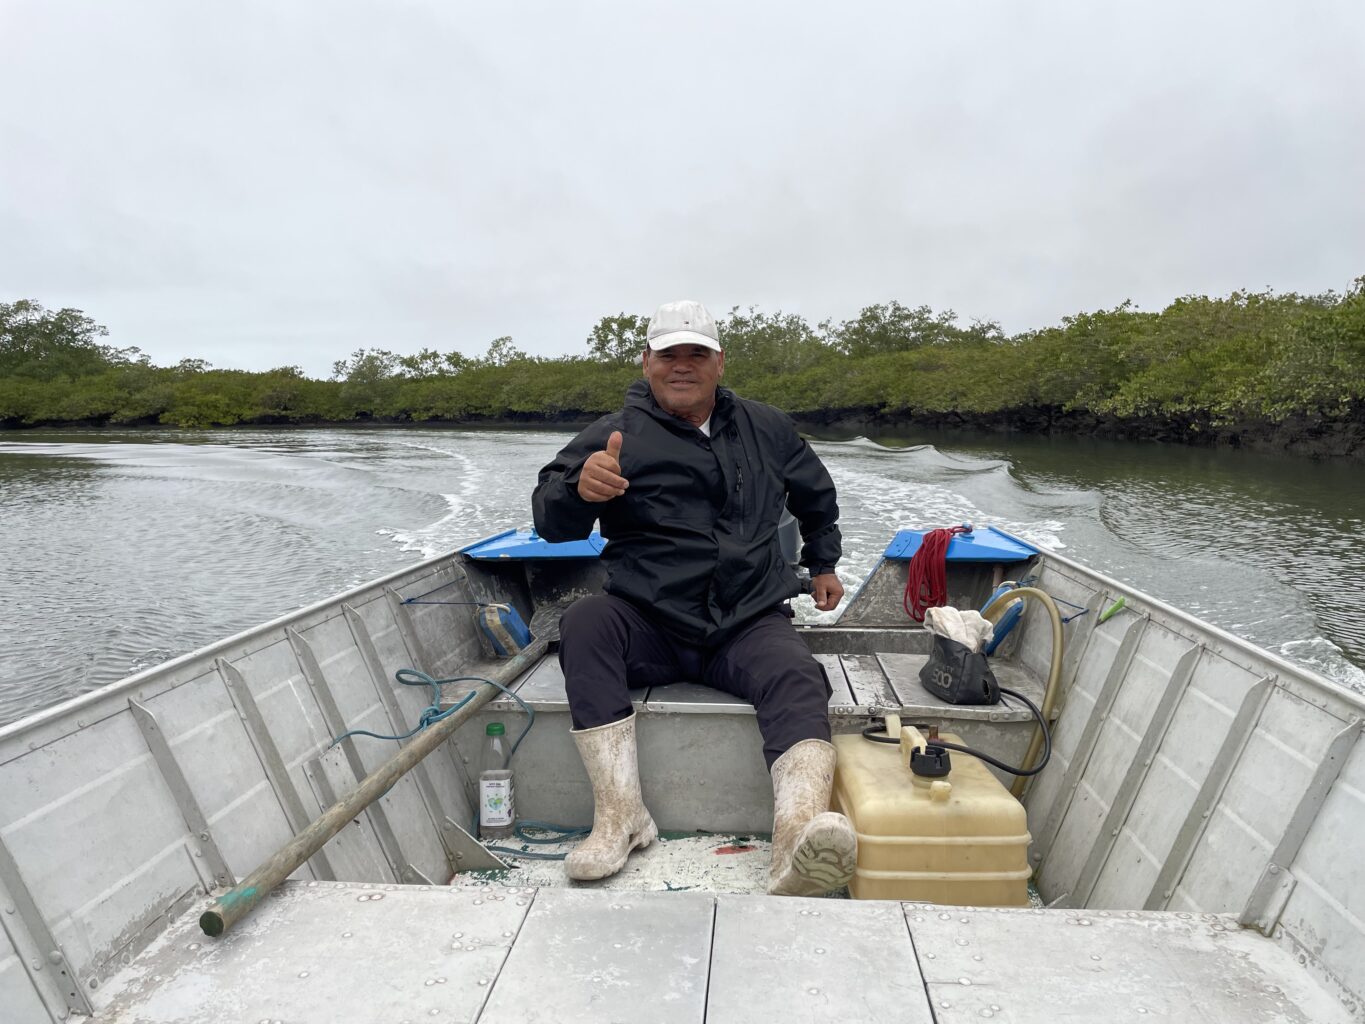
<point>607,645</point>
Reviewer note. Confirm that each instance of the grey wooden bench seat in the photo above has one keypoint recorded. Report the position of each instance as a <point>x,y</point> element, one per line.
<point>863,685</point>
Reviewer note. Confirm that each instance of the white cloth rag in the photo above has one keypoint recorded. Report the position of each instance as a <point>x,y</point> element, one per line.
<point>967,628</point>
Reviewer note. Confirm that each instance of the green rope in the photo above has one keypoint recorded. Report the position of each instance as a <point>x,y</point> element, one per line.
<point>562,833</point>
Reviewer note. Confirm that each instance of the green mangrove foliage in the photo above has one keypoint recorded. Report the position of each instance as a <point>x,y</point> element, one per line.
<point>1247,356</point>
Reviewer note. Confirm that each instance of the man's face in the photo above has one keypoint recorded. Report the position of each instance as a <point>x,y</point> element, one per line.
<point>683,378</point>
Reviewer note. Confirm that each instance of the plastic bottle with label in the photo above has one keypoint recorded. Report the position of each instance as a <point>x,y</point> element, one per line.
<point>497,811</point>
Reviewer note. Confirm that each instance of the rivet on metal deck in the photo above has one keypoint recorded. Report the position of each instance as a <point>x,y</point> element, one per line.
<point>344,952</point>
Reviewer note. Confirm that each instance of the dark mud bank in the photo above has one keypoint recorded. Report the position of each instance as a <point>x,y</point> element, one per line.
<point>1320,437</point>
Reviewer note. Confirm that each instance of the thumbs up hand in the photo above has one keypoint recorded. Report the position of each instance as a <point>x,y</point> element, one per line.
<point>601,479</point>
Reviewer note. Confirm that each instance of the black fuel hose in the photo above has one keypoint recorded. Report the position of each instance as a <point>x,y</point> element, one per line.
<point>877,734</point>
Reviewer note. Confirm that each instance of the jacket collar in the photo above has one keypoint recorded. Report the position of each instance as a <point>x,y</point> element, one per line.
<point>640,396</point>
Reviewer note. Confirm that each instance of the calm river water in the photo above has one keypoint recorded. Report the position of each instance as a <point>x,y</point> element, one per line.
<point>120,550</point>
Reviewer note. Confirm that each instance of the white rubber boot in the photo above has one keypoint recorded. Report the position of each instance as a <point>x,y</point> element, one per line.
<point>620,822</point>
<point>814,849</point>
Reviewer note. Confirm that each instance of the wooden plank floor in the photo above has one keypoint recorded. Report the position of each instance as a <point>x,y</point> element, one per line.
<point>343,952</point>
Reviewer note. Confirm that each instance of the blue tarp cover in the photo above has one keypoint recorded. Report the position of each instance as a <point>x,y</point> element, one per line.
<point>983,545</point>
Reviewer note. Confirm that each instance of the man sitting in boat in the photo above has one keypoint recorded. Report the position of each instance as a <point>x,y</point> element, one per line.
<point>689,482</point>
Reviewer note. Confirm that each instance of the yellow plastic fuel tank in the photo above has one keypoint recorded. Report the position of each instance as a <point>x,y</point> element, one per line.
<point>961,839</point>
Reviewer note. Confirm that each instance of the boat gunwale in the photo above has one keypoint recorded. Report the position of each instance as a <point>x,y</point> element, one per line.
<point>1255,659</point>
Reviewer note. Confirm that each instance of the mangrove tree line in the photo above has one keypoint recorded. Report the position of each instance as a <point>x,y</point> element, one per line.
<point>1200,362</point>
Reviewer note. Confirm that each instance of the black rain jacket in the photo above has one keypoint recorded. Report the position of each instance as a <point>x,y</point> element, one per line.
<point>693,541</point>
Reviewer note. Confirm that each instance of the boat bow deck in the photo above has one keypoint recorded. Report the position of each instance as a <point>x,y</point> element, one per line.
<point>340,952</point>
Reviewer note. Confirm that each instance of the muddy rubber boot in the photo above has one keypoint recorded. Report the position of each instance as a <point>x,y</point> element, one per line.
<point>620,822</point>
<point>814,849</point>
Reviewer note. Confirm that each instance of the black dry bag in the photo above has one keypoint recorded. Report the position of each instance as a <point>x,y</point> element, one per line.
<point>958,675</point>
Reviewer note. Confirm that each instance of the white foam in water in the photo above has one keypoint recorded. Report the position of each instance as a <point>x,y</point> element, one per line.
<point>443,535</point>
<point>913,505</point>
<point>1327,659</point>
<point>464,515</point>
<point>430,448</point>
<point>1042,534</point>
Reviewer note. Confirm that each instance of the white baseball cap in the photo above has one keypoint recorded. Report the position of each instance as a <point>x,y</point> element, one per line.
<point>683,323</point>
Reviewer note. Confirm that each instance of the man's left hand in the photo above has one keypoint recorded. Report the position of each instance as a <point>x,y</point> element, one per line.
<point>827,591</point>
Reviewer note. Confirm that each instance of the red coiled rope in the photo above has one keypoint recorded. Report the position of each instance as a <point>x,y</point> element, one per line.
<point>926,582</point>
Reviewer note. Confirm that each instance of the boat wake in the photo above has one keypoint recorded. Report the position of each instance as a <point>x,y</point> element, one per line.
<point>1327,659</point>
<point>437,537</point>
<point>466,515</point>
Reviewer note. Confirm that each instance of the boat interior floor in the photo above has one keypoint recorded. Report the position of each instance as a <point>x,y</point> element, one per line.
<point>346,952</point>
<point>675,862</point>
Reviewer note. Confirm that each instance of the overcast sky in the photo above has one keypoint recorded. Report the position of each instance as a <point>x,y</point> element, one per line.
<point>261,184</point>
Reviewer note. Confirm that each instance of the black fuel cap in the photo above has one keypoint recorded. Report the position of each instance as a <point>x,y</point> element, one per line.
<point>930,761</point>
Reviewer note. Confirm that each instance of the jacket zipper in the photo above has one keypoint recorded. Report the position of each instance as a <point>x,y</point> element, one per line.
<point>739,497</point>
